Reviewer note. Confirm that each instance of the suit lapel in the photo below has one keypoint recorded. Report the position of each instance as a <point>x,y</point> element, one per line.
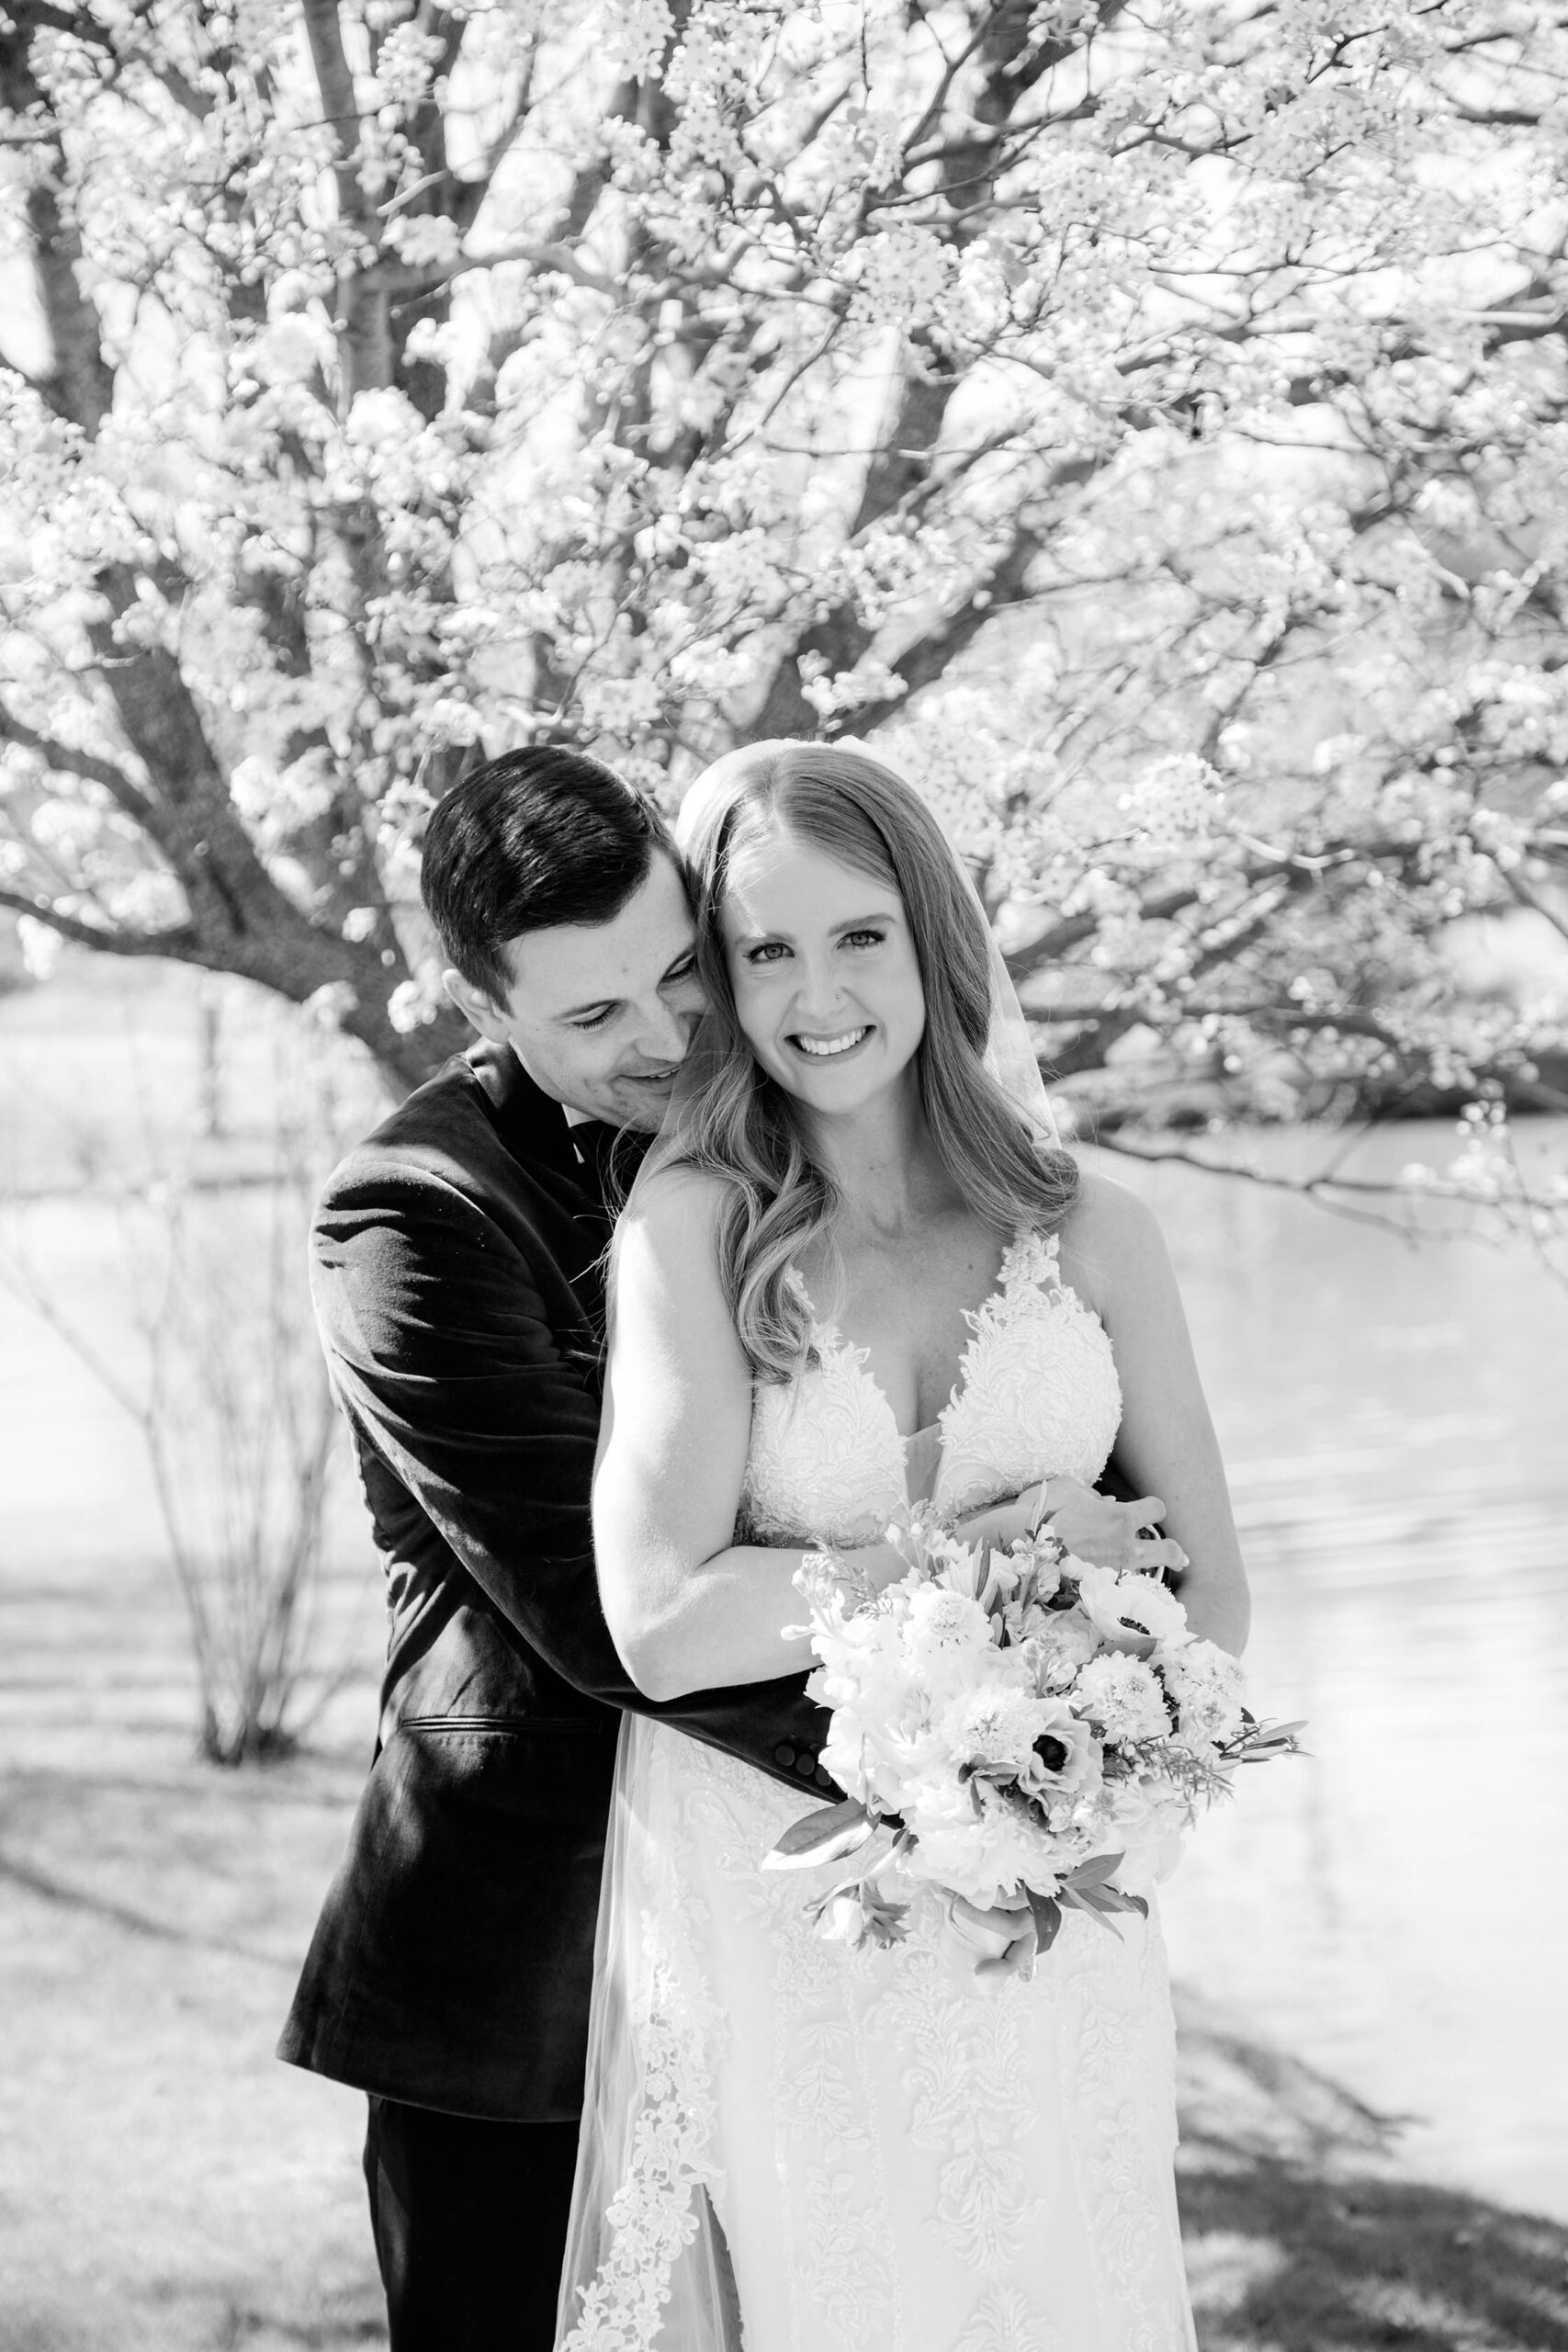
<point>531,1125</point>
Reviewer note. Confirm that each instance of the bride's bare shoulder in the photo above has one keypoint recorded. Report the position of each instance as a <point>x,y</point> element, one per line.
<point>1111,1242</point>
<point>674,1213</point>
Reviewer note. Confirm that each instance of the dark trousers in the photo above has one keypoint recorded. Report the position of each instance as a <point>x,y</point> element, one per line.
<point>469,2221</point>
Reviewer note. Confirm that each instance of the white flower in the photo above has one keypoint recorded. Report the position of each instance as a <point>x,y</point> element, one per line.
<point>1124,1698</point>
<point>980,1856</point>
<point>39,946</point>
<point>424,240</point>
<point>453,721</point>
<point>1178,801</point>
<point>410,1005</point>
<point>946,1627</point>
<point>291,348</point>
<point>1147,1820</point>
<point>994,1726</point>
<point>1064,1763</point>
<point>1063,1642</point>
<point>380,419</point>
<point>1127,1610</point>
<point>1206,1684</point>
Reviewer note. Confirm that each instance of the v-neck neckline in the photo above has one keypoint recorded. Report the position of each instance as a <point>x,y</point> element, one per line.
<point>828,1334</point>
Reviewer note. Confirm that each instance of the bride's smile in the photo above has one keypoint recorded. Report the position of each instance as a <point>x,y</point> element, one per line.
<point>823,966</point>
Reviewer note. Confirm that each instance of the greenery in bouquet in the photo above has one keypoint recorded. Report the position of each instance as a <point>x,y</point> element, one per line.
<point>1017,1730</point>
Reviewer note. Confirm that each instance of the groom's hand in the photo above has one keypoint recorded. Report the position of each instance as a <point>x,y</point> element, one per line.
<point>1106,1534</point>
<point>1095,1528</point>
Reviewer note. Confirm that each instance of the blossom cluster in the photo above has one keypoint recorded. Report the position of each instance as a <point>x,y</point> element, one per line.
<point>1012,1728</point>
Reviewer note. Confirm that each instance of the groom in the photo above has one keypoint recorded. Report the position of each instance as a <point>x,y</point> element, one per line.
<point>455,1266</point>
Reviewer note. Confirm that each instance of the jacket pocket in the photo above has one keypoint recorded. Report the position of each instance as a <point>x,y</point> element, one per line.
<point>576,1727</point>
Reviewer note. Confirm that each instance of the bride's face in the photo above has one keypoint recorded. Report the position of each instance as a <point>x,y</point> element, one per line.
<point>826,979</point>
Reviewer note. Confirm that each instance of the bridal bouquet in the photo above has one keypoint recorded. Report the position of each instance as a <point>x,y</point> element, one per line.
<point>1011,1729</point>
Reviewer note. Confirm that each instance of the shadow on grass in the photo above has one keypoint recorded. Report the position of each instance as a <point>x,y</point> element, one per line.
<point>59,1891</point>
<point>244,2327</point>
<point>1295,2262</point>
<point>1303,2236</point>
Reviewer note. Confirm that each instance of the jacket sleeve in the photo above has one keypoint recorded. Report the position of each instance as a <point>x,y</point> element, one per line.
<point>442,1355</point>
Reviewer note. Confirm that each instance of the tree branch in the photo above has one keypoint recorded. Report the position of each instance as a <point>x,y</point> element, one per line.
<point>1528,895</point>
<point>1326,1186</point>
<point>365,334</point>
<point>179,941</point>
<point>65,760</point>
<point>78,385</point>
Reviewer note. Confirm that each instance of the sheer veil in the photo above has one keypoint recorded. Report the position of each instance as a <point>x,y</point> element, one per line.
<point>647,2269</point>
<point>1010,1050</point>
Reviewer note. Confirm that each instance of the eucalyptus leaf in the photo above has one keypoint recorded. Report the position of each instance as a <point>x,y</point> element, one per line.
<point>1047,1914</point>
<point>1095,1870</point>
<point>826,1836</point>
<point>1085,1899</point>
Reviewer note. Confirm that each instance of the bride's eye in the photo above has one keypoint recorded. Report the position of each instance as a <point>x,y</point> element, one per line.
<point>768,953</point>
<point>865,938</point>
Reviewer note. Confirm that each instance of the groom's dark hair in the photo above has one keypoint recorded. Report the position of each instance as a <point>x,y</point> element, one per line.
<point>535,838</point>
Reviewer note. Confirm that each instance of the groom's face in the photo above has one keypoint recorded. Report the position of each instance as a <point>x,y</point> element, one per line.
<point>600,1015</point>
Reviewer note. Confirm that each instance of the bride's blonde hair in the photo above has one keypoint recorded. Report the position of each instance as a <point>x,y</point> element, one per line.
<point>735,1122</point>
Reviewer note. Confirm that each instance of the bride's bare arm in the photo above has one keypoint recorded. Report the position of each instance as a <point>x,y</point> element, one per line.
<point>687,1606</point>
<point>1114,1255</point>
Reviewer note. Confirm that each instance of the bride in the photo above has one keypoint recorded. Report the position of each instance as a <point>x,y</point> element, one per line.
<point>852,1274</point>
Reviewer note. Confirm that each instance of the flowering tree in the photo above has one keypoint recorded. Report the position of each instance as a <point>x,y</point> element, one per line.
<point>1148,422</point>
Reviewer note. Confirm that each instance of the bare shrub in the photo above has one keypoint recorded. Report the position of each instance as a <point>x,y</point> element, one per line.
<point>203,1335</point>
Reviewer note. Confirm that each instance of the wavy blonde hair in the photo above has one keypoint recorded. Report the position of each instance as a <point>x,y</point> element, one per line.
<point>737,1124</point>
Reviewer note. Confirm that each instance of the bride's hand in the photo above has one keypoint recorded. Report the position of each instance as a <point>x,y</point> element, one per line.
<point>1001,1940</point>
<point>1095,1529</point>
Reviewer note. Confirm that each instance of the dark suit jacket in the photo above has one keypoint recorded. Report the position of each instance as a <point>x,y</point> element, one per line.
<point>456,1270</point>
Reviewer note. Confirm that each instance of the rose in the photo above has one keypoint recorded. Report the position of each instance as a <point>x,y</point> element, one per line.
<point>1147,1820</point>
<point>985,1858</point>
<point>1059,1645</point>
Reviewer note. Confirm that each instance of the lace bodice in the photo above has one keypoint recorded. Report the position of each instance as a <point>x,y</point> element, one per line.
<point>1036,1394</point>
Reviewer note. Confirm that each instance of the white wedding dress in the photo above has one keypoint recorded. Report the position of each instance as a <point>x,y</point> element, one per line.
<point>898,2159</point>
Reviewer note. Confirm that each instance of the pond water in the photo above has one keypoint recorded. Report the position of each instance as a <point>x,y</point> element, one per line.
<point>1396,1425</point>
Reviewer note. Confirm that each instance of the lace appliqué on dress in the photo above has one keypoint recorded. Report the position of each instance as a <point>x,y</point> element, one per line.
<point>652,2216</point>
<point>826,1462</point>
<point>1036,1387</point>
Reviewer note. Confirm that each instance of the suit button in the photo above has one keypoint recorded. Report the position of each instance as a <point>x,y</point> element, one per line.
<point>806,1766</point>
<point>823,1779</point>
<point>783,1753</point>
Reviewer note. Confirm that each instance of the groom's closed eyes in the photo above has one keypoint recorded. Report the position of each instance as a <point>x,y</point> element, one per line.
<point>599,1013</point>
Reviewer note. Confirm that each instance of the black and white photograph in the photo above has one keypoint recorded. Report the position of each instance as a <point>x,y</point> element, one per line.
<point>783,1175</point>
